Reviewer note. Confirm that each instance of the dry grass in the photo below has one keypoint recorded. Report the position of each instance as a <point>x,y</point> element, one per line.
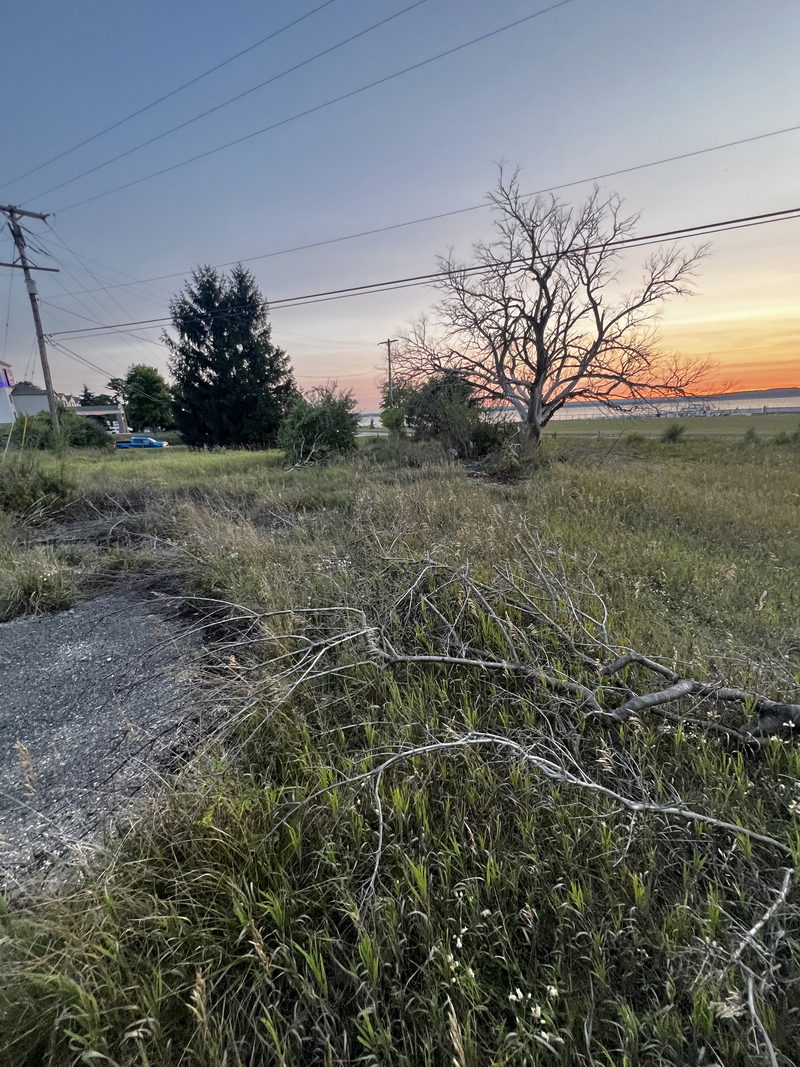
<point>512,918</point>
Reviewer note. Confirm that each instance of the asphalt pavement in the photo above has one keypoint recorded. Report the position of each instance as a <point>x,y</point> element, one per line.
<point>95,702</point>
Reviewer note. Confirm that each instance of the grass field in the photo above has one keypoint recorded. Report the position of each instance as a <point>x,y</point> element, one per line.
<point>722,426</point>
<point>413,844</point>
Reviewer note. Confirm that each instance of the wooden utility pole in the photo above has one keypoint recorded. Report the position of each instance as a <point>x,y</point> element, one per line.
<point>389,342</point>
<point>14,214</point>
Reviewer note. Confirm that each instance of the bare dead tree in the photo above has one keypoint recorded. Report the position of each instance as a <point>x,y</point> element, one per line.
<point>539,320</point>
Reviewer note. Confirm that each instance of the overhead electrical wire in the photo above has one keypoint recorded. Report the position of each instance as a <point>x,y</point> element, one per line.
<point>232,99</point>
<point>69,352</point>
<point>322,106</point>
<point>600,176</point>
<point>642,241</point>
<point>88,270</point>
<point>96,322</point>
<point>129,336</point>
<point>172,92</point>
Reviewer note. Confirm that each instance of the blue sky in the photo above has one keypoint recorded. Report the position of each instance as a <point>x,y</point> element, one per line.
<point>586,88</point>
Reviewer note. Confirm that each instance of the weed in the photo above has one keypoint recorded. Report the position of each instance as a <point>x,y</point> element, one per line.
<point>673,433</point>
<point>32,488</point>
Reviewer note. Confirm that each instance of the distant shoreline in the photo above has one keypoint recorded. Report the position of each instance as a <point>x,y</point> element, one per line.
<point>785,393</point>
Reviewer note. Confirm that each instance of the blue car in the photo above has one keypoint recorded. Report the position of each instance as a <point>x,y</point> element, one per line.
<point>141,442</point>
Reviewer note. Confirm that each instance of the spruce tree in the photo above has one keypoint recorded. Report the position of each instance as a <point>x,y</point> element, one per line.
<point>233,386</point>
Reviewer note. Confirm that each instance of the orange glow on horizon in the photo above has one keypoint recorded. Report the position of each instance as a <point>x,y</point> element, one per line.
<point>749,354</point>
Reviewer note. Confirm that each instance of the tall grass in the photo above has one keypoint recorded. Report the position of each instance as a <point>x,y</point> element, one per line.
<point>509,919</point>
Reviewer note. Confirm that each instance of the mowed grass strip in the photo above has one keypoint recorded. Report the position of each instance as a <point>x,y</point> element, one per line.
<point>720,426</point>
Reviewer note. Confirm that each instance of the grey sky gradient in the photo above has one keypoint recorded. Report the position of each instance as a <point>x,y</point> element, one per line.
<point>592,86</point>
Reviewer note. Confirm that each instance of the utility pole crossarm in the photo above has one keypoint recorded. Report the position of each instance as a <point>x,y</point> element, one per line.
<point>50,270</point>
<point>10,209</point>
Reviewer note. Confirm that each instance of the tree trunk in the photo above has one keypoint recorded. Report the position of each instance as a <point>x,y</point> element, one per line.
<point>532,438</point>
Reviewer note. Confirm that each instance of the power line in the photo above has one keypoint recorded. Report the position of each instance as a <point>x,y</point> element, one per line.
<point>82,266</point>
<point>82,359</point>
<point>233,99</point>
<point>642,241</point>
<point>76,314</point>
<point>172,92</point>
<point>128,337</point>
<point>148,291</point>
<point>473,207</point>
<point>320,107</point>
<point>70,353</point>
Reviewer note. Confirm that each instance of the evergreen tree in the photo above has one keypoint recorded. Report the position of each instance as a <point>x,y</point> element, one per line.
<point>233,386</point>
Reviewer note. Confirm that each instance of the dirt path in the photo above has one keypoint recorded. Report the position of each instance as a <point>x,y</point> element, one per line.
<point>94,703</point>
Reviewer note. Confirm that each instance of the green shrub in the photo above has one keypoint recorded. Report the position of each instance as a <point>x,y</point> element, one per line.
<point>488,436</point>
<point>75,431</point>
<point>394,419</point>
<point>673,433</point>
<point>750,437</point>
<point>319,425</point>
<point>635,438</point>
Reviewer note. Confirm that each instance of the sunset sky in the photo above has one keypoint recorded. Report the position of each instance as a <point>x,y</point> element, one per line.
<point>590,87</point>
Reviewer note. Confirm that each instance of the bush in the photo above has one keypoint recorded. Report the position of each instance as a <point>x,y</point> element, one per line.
<point>673,433</point>
<point>75,431</point>
<point>318,425</point>
<point>488,437</point>
<point>394,419</point>
<point>750,437</point>
<point>28,488</point>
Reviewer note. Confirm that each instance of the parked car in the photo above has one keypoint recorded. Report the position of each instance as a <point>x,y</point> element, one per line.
<point>137,441</point>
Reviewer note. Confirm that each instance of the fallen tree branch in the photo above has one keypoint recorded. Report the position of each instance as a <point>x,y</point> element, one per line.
<point>555,771</point>
<point>773,715</point>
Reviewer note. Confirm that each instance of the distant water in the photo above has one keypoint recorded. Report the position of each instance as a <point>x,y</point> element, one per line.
<point>671,407</point>
<point>765,403</point>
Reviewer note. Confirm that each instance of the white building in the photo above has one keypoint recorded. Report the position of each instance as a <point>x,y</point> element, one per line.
<point>29,399</point>
<point>26,399</point>
<point>7,410</point>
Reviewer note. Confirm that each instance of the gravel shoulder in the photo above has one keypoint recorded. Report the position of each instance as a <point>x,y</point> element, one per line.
<point>95,704</point>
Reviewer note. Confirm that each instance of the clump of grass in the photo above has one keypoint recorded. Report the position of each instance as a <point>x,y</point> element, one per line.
<point>750,437</point>
<point>32,488</point>
<point>785,438</point>
<point>673,433</point>
<point>37,580</point>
